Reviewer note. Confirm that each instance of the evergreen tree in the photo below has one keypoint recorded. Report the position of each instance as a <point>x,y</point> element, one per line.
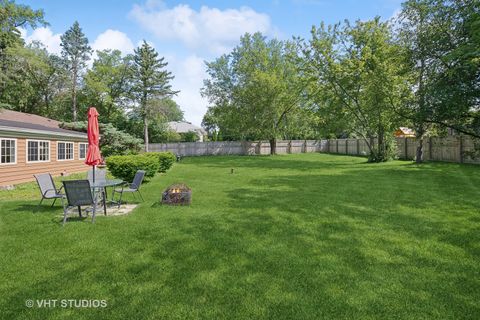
<point>150,80</point>
<point>75,52</point>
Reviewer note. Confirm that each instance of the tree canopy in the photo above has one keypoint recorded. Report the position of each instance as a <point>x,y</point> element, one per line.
<point>255,89</point>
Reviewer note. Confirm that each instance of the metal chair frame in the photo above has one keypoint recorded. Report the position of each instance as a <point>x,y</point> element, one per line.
<point>78,193</point>
<point>45,189</point>
<point>132,187</point>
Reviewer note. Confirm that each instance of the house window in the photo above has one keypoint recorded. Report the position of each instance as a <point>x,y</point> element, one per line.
<point>83,147</point>
<point>38,151</point>
<point>8,151</point>
<point>65,151</point>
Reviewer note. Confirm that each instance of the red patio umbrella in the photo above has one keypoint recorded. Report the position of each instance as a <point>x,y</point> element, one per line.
<point>94,157</point>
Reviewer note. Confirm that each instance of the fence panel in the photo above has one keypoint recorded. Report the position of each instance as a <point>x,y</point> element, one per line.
<point>297,146</point>
<point>450,149</point>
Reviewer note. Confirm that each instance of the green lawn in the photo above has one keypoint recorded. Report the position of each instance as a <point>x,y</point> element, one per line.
<point>308,236</point>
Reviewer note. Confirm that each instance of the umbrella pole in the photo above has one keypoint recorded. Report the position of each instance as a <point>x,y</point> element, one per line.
<point>94,190</point>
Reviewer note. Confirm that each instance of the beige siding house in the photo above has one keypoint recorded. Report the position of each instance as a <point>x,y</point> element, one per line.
<point>30,144</point>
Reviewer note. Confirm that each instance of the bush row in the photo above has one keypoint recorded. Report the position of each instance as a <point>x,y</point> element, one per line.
<point>165,159</point>
<point>125,167</point>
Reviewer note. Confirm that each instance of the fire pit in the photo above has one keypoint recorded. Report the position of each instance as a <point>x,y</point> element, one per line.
<point>177,195</point>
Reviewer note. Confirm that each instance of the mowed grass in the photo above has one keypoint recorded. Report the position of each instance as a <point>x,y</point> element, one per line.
<point>308,236</point>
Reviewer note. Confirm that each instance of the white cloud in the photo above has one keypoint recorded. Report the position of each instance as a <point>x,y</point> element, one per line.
<point>113,39</point>
<point>189,74</point>
<point>211,28</point>
<point>44,35</point>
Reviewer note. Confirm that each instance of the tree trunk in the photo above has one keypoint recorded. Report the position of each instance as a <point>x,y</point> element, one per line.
<point>273,146</point>
<point>381,144</point>
<point>47,104</point>
<point>421,105</point>
<point>74,95</point>
<point>419,152</point>
<point>145,132</point>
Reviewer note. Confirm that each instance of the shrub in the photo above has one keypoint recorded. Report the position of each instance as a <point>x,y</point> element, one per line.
<point>385,152</point>
<point>125,167</point>
<point>165,159</point>
<point>190,136</point>
<point>112,140</point>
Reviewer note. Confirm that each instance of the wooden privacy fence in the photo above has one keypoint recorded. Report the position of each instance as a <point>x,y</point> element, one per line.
<point>239,147</point>
<point>450,149</point>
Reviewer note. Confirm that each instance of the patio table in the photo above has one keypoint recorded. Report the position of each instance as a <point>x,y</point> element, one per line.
<point>102,185</point>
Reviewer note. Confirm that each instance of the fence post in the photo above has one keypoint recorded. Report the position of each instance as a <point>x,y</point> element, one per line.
<point>406,148</point>
<point>430,148</point>
<point>305,146</point>
<point>337,144</point>
<point>346,146</point>
<point>358,147</point>
<point>460,147</point>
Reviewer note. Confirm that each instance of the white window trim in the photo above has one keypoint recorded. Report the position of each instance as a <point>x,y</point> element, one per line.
<point>73,151</point>
<point>16,151</point>
<point>37,161</point>
<point>86,150</point>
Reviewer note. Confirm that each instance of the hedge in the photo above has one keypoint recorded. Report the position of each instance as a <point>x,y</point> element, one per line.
<point>165,159</point>
<point>125,167</point>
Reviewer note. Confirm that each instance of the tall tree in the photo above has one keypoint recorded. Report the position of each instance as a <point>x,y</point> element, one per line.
<point>150,80</point>
<point>167,109</point>
<point>12,17</point>
<point>32,78</point>
<point>443,45</point>
<point>75,52</point>
<point>254,88</point>
<point>360,73</point>
<point>107,83</point>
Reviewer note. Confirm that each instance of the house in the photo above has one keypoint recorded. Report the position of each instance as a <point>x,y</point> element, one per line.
<point>404,132</point>
<point>184,127</point>
<point>30,144</point>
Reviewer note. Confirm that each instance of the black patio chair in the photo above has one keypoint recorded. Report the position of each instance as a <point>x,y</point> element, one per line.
<point>48,188</point>
<point>78,194</point>
<point>132,187</point>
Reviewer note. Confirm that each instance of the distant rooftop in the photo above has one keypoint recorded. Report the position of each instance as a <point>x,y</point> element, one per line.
<point>183,127</point>
<point>406,130</point>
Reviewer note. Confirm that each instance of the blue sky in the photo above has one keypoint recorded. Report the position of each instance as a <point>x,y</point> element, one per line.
<point>189,32</point>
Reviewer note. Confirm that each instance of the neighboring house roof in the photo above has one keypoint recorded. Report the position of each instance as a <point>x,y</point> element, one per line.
<point>407,131</point>
<point>183,127</point>
<point>404,132</point>
<point>14,121</point>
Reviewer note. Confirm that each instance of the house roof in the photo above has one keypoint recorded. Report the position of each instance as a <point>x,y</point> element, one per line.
<point>25,123</point>
<point>406,130</point>
<point>183,127</point>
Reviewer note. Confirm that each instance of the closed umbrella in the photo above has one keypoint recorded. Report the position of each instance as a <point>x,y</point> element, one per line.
<point>94,157</point>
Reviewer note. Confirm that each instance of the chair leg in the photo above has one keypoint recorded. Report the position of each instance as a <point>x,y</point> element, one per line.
<point>55,199</point>
<point>64,212</point>
<point>38,206</point>
<point>104,196</point>
<point>120,200</point>
<point>140,195</point>
<point>93,213</point>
